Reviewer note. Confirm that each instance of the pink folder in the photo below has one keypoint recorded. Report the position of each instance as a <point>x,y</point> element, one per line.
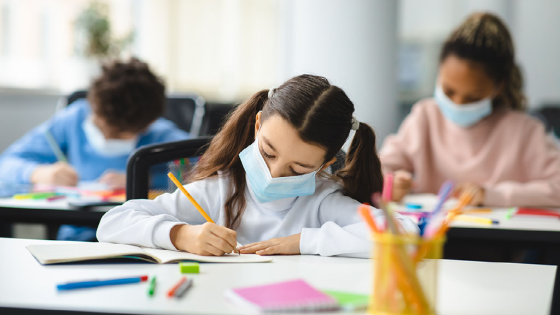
<point>289,296</point>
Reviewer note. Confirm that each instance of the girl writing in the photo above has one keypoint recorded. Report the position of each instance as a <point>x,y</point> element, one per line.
<point>263,181</point>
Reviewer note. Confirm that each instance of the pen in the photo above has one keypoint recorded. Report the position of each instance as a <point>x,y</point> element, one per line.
<point>99,283</point>
<point>54,146</point>
<point>183,288</point>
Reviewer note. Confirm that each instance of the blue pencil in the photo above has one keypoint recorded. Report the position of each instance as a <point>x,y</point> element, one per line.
<point>99,283</point>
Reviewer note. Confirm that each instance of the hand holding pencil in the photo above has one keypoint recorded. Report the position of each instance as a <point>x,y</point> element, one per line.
<point>207,239</point>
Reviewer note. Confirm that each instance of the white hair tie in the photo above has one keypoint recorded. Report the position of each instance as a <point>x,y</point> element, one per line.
<point>271,92</point>
<point>355,123</point>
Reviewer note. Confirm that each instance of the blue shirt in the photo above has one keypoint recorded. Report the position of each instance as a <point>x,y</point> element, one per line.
<point>20,159</point>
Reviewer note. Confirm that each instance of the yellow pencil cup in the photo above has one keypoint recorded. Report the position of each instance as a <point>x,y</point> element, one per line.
<point>405,272</point>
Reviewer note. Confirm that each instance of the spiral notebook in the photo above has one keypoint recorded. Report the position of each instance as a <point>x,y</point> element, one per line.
<point>289,296</point>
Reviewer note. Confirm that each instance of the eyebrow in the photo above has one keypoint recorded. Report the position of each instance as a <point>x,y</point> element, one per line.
<point>273,149</point>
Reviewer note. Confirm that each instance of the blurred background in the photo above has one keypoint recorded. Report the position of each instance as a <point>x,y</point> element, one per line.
<point>383,53</point>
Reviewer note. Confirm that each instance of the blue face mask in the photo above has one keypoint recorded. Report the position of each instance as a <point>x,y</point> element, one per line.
<point>464,115</point>
<point>267,189</point>
<point>107,147</point>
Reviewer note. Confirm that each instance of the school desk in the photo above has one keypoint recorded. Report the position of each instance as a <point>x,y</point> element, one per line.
<point>464,287</point>
<point>51,213</point>
<point>506,241</point>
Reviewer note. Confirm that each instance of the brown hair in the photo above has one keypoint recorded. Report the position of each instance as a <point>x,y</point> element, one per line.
<point>485,39</point>
<point>322,115</point>
<point>128,95</point>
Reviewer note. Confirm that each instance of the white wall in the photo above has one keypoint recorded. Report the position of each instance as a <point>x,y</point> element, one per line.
<point>352,43</point>
<point>537,35</point>
<point>22,110</point>
<point>534,25</point>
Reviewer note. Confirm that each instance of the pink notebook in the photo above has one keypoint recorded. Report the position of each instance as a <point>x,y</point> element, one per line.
<point>289,296</point>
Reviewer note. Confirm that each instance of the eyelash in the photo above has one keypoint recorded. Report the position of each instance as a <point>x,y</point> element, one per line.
<point>268,156</point>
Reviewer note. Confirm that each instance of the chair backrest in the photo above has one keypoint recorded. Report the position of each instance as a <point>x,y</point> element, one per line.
<point>147,167</point>
<point>214,116</point>
<point>550,116</point>
<point>185,110</point>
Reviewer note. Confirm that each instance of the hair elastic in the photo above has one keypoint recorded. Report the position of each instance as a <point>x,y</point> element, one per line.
<point>355,123</point>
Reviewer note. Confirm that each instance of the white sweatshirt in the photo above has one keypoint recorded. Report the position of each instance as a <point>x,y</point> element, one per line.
<point>327,220</point>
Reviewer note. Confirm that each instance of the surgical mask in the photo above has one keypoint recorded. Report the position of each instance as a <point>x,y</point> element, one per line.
<point>267,189</point>
<point>464,115</point>
<point>107,147</point>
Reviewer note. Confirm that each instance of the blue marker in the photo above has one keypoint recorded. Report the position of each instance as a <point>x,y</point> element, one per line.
<point>413,206</point>
<point>99,283</point>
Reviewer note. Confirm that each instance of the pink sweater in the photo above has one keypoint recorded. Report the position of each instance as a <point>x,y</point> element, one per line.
<point>507,153</point>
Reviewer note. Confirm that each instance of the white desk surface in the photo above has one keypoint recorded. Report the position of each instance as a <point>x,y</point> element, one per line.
<point>464,287</point>
<point>517,222</point>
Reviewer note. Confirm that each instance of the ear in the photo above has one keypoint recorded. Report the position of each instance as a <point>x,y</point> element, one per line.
<point>258,123</point>
<point>329,163</point>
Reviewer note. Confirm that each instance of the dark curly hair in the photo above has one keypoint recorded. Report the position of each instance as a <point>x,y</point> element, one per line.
<point>128,95</point>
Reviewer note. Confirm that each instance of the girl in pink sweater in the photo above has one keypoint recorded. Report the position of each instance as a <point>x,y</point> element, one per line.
<point>474,131</point>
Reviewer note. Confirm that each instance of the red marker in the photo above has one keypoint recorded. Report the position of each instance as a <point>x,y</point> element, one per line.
<point>171,292</point>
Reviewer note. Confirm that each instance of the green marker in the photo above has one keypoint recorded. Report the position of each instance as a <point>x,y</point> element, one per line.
<point>152,288</point>
<point>510,213</point>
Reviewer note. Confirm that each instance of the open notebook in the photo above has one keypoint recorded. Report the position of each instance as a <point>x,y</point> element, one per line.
<point>82,251</point>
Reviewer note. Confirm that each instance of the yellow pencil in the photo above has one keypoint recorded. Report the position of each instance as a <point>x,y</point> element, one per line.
<point>470,218</point>
<point>195,204</point>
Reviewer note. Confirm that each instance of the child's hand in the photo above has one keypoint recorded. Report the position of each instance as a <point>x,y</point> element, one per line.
<point>113,180</point>
<point>402,184</point>
<point>59,173</point>
<point>288,245</point>
<point>207,239</point>
<point>478,198</point>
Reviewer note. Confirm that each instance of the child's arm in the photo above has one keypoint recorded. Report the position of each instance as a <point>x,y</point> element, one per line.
<point>23,157</point>
<point>541,163</point>
<point>399,150</point>
<point>343,233</point>
<point>150,222</point>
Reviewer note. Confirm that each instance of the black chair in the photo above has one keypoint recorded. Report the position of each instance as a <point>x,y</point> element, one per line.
<point>214,116</point>
<point>185,110</point>
<point>147,167</point>
<point>550,116</point>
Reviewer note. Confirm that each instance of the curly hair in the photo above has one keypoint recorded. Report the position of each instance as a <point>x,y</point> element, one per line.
<point>127,95</point>
<point>485,39</point>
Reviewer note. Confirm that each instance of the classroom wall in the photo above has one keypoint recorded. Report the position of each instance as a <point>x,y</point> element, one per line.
<point>21,110</point>
<point>537,35</point>
<point>355,44</point>
<point>534,25</point>
<point>352,43</point>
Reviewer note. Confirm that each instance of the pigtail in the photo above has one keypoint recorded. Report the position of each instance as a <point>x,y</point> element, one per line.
<point>223,154</point>
<point>361,175</point>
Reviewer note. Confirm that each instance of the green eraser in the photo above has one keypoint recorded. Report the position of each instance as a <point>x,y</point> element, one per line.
<point>189,267</point>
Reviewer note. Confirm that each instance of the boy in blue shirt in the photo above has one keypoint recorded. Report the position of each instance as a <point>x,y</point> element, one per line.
<point>122,112</point>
